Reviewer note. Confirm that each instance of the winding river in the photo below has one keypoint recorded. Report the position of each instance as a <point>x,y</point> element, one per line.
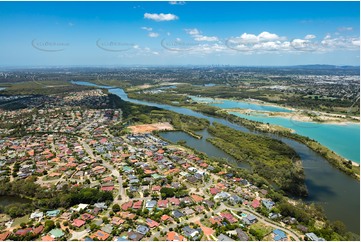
<point>338,193</point>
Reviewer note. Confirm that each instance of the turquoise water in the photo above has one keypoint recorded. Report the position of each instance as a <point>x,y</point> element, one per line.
<point>239,104</point>
<point>332,189</point>
<point>342,139</point>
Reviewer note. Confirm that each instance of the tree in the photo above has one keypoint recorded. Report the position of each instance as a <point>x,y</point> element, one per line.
<point>116,208</point>
<point>49,225</point>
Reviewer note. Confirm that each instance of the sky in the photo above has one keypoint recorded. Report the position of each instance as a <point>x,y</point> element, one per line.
<point>179,33</point>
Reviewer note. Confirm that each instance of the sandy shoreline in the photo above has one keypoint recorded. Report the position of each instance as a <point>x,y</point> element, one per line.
<point>296,115</point>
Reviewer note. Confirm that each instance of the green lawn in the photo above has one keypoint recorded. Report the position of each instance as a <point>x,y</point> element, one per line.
<point>20,220</point>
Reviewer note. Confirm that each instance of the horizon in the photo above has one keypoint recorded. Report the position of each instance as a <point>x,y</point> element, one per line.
<point>179,33</point>
<point>170,66</point>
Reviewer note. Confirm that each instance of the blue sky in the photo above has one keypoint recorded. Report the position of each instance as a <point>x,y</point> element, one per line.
<point>179,33</point>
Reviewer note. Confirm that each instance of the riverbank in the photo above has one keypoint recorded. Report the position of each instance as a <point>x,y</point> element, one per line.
<point>348,167</point>
<point>302,116</point>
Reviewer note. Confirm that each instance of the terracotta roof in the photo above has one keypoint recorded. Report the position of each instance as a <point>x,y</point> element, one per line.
<point>78,223</point>
<point>197,198</point>
<point>172,236</point>
<point>138,204</point>
<point>255,203</point>
<point>162,203</point>
<point>38,230</point>
<point>100,235</point>
<point>47,238</point>
<point>127,205</point>
<point>4,236</point>
<point>151,223</point>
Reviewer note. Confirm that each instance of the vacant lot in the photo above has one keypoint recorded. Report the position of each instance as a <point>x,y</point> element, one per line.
<point>147,128</point>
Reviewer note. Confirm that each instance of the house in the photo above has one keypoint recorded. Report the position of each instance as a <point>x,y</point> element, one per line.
<point>255,204</point>
<point>4,236</point>
<point>138,204</point>
<point>199,208</point>
<point>250,219</point>
<point>101,206</point>
<point>209,203</point>
<point>191,233</point>
<point>197,198</point>
<point>151,223</point>
<point>192,179</point>
<point>142,229</point>
<point>52,213</point>
<point>23,232</point>
<point>107,188</point>
<point>174,201</point>
<point>242,236</point>
<point>173,236</point>
<point>47,238</point>
<point>127,205</point>
<point>223,237</point>
<point>133,188</point>
<point>79,207</point>
<point>66,216</point>
<point>78,223</point>
<point>279,235</point>
<point>313,237</point>
<point>234,199</point>
<point>216,220</point>
<point>107,228</point>
<point>87,216</point>
<point>126,215</point>
<point>117,221</point>
<point>100,235</point>
<point>165,217</point>
<point>134,236</point>
<point>188,211</point>
<point>151,204</point>
<point>38,230</point>
<point>268,204</point>
<point>56,233</point>
<point>229,217</point>
<point>222,196</point>
<point>156,188</point>
<point>177,214</point>
<point>36,214</point>
<point>162,203</point>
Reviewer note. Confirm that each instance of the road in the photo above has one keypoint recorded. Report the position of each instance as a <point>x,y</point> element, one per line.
<point>113,170</point>
<point>224,207</point>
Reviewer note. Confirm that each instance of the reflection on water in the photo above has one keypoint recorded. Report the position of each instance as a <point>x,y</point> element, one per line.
<point>343,203</point>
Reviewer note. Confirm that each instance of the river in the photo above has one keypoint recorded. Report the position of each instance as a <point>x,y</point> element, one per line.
<point>338,193</point>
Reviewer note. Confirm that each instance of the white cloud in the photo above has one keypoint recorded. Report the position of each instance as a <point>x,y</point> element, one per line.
<point>192,31</point>
<point>196,34</point>
<point>153,34</point>
<point>248,38</point>
<point>205,38</point>
<point>160,17</point>
<point>147,28</point>
<point>345,29</point>
<point>266,36</point>
<point>177,2</point>
<point>71,24</point>
<point>356,42</point>
<point>310,36</point>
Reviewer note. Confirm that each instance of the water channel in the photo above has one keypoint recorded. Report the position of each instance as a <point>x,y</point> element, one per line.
<point>338,193</point>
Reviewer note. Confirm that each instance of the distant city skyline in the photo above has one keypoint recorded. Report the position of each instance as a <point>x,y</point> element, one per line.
<point>179,33</point>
